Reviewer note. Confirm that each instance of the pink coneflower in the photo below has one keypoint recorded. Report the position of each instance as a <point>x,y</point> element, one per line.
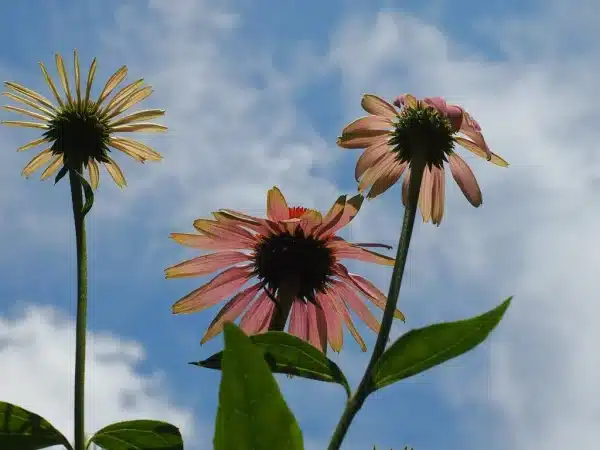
<point>426,129</point>
<point>294,256</point>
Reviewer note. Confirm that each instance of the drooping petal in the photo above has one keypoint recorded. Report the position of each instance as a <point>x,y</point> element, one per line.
<point>32,144</point>
<point>464,177</point>
<point>437,195</point>
<point>208,242</point>
<point>94,173</point>
<point>335,331</point>
<point>56,164</point>
<point>405,184</point>
<point>37,161</point>
<point>231,311</point>
<point>345,250</point>
<point>387,180</point>
<point>298,320</point>
<point>340,307</point>
<point>134,149</point>
<point>474,148</point>
<point>205,264</point>
<point>351,208</point>
<point>277,207</point>
<point>228,216</point>
<point>228,232</point>
<point>378,106</point>
<point>115,172</point>
<point>363,139</point>
<point>357,305</point>
<point>371,156</point>
<point>317,326</point>
<point>425,194</point>
<point>367,124</point>
<point>377,170</point>
<point>438,103</point>
<point>257,318</point>
<point>211,293</point>
<point>370,291</point>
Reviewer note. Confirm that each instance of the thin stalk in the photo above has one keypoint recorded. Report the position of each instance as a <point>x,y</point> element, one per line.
<point>364,388</point>
<point>283,305</point>
<point>82,295</point>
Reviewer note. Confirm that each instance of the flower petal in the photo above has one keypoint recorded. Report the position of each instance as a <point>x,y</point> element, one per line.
<point>77,75</point>
<point>90,80</point>
<point>115,172</point>
<point>405,184</point>
<point>112,83</point>
<point>340,307</point>
<point>131,100</point>
<point>425,194</point>
<point>387,180</point>
<point>134,149</point>
<point>376,171</point>
<point>351,208</point>
<point>335,332</point>
<point>367,124</point>
<point>474,148</point>
<point>437,195</point>
<point>19,123</point>
<point>298,320</point>
<point>32,144</point>
<point>120,96</point>
<point>231,311</point>
<point>258,317</point>
<point>345,250</point>
<point>363,139</point>
<point>378,106</point>
<point>207,242</point>
<point>31,94</point>
<point>205,264</point>
<point>28,102</point>
<point>135,127</point>
<point>370,156</point>
<point>37,161</point>
<point>94,173</point>
<point>227,232</point>
<point>28,113</point>
<point>53,167</point>
<point>357,305</point>
<point>51,85</point>
<point>317,326</point>
<point>62,74</point>
<point>405,100</point>
<point>139,115</point>
<point>277,208</point>
<point>371,291</point>
<point>211,293</point>
<point>464,177</point>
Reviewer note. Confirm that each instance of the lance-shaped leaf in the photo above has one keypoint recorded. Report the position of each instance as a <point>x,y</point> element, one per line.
<point>252,413</point>
<point>24,430</point>
<point>288,354</point>
<point>139,434</point>
<point>424,348</point>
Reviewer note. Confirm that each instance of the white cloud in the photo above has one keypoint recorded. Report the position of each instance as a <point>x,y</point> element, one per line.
<point>37,354</point>
<point>536,235</point>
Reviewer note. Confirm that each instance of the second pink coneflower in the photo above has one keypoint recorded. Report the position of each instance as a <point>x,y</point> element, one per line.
<point>427,129</point>
<point>294,257</point>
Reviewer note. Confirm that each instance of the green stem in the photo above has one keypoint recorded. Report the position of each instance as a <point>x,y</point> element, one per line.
<point>283,306</point>
<point>80,331</point>
<point>365,387</point>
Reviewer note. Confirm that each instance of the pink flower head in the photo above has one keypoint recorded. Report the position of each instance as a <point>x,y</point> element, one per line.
<point>391,137</point>
<point>294,256</point>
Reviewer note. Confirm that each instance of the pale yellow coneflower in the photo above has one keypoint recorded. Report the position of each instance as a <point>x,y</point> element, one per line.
<point>79,130</point>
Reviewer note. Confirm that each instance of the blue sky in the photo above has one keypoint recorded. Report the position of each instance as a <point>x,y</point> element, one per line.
<point>255,96</point>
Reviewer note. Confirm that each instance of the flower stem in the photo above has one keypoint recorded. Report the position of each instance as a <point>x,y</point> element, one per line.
<point>80,331</point>
<point>283,306</point>
<point>365,387</point>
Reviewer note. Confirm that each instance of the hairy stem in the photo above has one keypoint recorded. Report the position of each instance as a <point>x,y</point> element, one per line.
<point>80,331</point>
<point>364,388</point>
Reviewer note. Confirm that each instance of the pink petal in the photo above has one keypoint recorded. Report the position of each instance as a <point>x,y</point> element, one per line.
<point>317,326</point>
<point>438,103</point>
<point>437,196</point>
<point>205,264</point>
<point>387,180</point>
<point>357,305</point>
<point>221,286</point>
<point>231,311</point>
<point>335,332</point>
<point>370,156</point>
<point>207,242</point>
<point>351,208</point>
<point>257,319</point>
<point>425,194</point>
<point>477,150</point>
<point>378,106</point>
<point>405,184</point>
<point>345,250</point>
<point>464,177</point>
<point>363,139</point>
<point>377,170</point>
<point>298,320</point>
<point>340,307</point>
<point>277,208</point>
<point>228,216</point>
<point>405,100</point>
<point>369,123</point>
<point>219,230</point>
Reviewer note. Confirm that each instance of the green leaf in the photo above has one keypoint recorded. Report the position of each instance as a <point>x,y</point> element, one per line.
<point>139,435</point>
<point>424,348</point>
<point>288,354</point>
<point>24,430</point>
<point>252,413</point>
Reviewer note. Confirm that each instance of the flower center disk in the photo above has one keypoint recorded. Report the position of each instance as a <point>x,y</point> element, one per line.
<point>287,258</point>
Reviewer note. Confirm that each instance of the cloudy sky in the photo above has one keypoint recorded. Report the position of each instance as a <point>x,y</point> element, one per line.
<point>255,95</point>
